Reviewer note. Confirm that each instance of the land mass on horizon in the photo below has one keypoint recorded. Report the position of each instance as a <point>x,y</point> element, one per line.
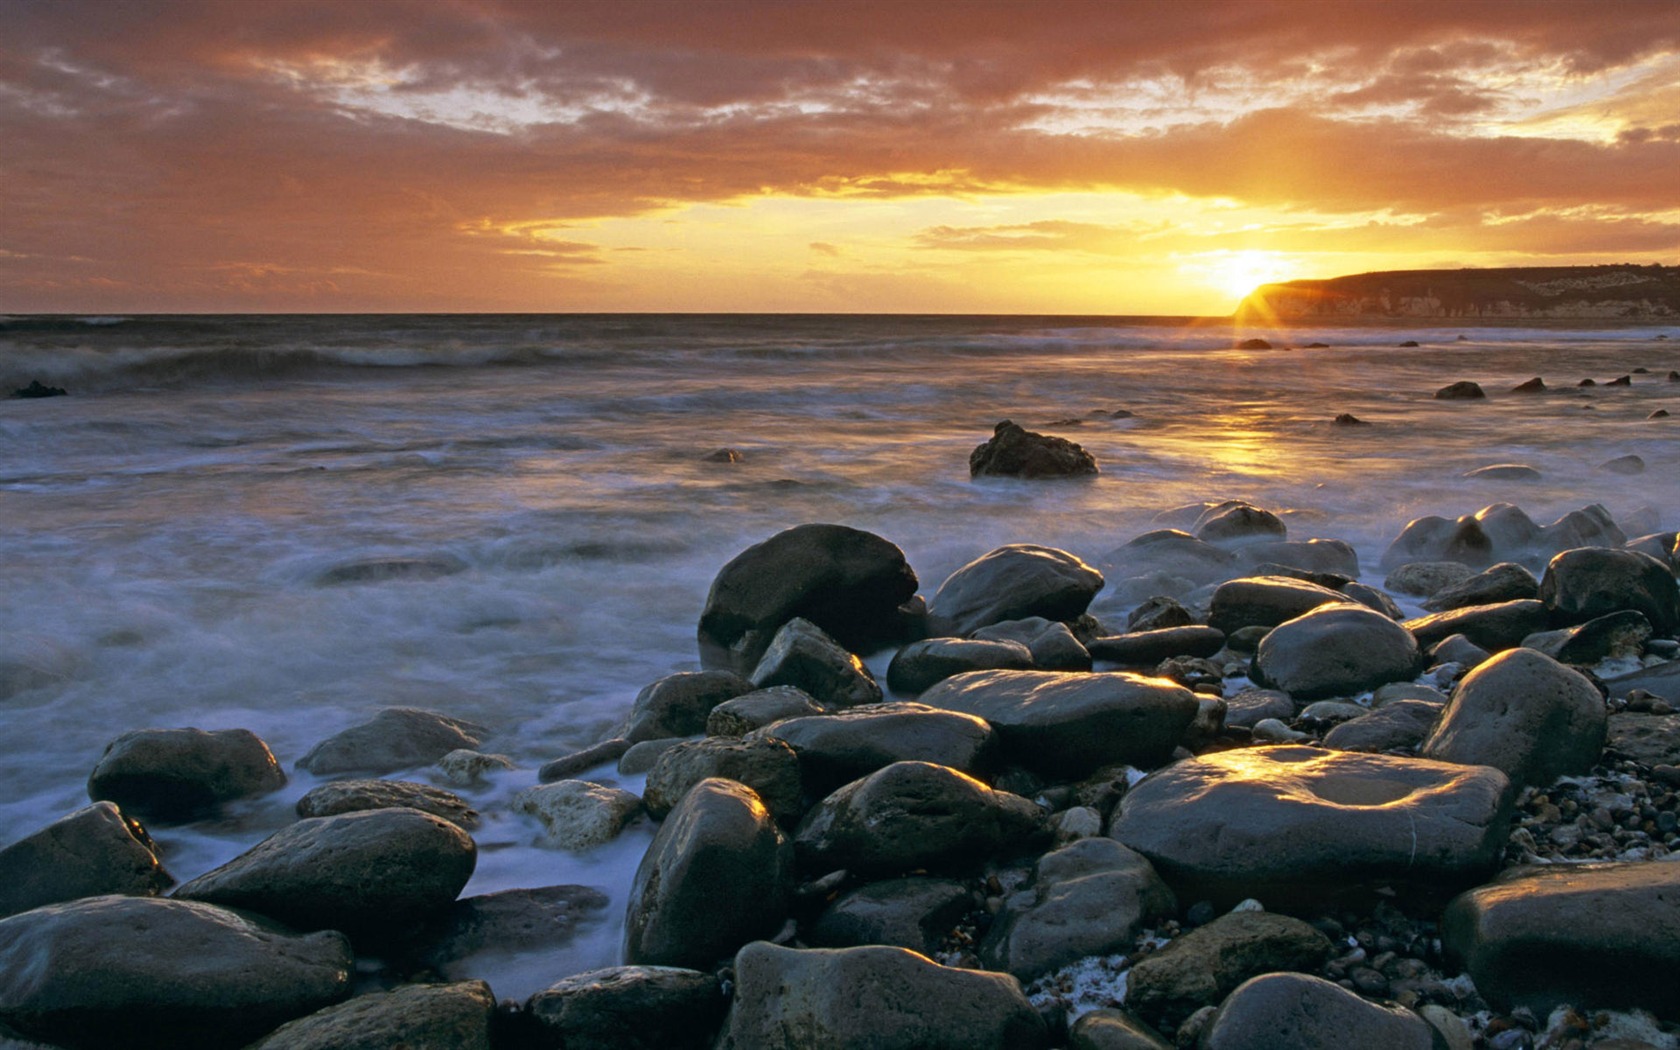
<point>1609,292</point>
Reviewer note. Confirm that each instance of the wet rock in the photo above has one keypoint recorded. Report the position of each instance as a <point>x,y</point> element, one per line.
<point>353,796</point>
<point>160,974</point>
<point>465,767</point>
<point>1590,526</point>
<point>1295,826</point>
<point>1070,724</point>
<point>1621,634</point>
<point>1254,344</point>
<point>1604,935</point>
<point>1659,545</point>
<point>1303,1012</point>
<point>1431,538</point>
<point>1504,582</point>
<point>1491,627</point>
<point>576,814</point>
<point>641,757</point>
<point>768,766</point>
<point>1504,472</point>
<point>36,388</point>
<point>837,749</point>
<point>760,708</point>
<point>1428,578</point>
<point>395,738</point>
<point>1266,601</point>
<point>1014,452</point>
<point>1158,613</point>
<point>1053,645</point>
<point>1373,599</point>
<point>723,455</point>
<point>630,1008</point>
<point>1149,648</point>
<point>1463,390</point>
<point>458,1016</point>
<point>1455,648</point>
<point>1110,1029</point>
<point>1650,740</point>
<point>1531,386</point>
<point>1348,419</point>
<point>93,851</point>
<point>910,816</point>
<point>917,913</point>
<point>1661,679</point>
<point>1628,465</point>
<point>1582,584</point>
<point>1400,725</point>
<point>1206,964</point>
<point>1316,555</point>
<point>1250,706</point>
<point>1171,551</point>
<point>1089,898</point>
<point>1237,524</point>
<point>384,570</point>
<point>176,775</point>
<point>1523,713</point>
<point>569,766</point>
<point>848,582</point>
<point>718,874</point>
<point>679,704</point>
<point>1508,529</point>
<point>1337,650</point>
<point>519,920</point>
<point>369,874</point>
<point>875,997</point>
<point>1014,582</point>
<point>920,665</point>
<point>803,656</point>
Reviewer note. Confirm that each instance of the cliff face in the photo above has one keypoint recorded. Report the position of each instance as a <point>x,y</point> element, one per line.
<point>1542,292</point>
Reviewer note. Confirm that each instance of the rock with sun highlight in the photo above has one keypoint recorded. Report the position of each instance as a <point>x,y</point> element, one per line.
<point>1015,452</point>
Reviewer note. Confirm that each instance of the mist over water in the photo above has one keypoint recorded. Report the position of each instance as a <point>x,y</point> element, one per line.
<point>165,529</point>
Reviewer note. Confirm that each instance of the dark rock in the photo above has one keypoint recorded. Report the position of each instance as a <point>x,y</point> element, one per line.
<point>1158,613</point>
<point>1171,551</point>
<point>569,766</point>
<point>1348,419</point>
<point>1236,523</point>
<point>803,656</point>
<point>1659,545</point>
<point>1650,740</point>
<point>1620,381</point>
<point>1395,726</point>
<point>1148,648</point>
<point>641,757</point>
<point>1455,648</point>
<point>1661,679</point>
<point>396,738</point>
<point>1297,827</point>
<point>1525,714</point>
<point>630,1008</point>
<point>38,389</point>
<point>1335,581</point>
<point>917,913</point>
<point>1250,706</point>
<point>1504,472</point>
<point>1314,556</point>
<point>679,704</point>
<point>1412,344</point>
<point>1582,584</point>
<point>848,582</point>
<point>1587,382</point>
<point>1628,465</point>
<point>369,874</point>
<point>1254,344</point>
<point>1092,897</point>
<point>1014,582</point>
<point>1246,639</point>
<point>176,775</point>
<point>160,974</point>
<point>1436,539</point>
<point>1303,1012</point>
<point>718,874</point>
<point>1605,936</point>
<point>1014,452</point>
<point>1107,1028</point>
<point>760,708</point>
<point>1531,386</point>
<point>1266,601</point>
<point>1205,965</point>
<point>1337,650</point>
<point>837,749</point>
<point>1464,390</point>
<point>1661,413</point>
<point>1615,634</point>
<point>724,455</point>
<point>1511,531</point>
<point>920,665</point>
<point>1053,645</point>
<point>519,920</point>
<point>1492,627</point>
<point>458,1016</point>
<point>1429,578</point>
<point>1068,725</point>
<point>1373,599</point>
<point>93,851</point>
<point>769,767</point>
<point>875,997</point>
<point>1590,526</point>
<point>383,570</point>
<point>1505,582</point>
<point>354,796</point>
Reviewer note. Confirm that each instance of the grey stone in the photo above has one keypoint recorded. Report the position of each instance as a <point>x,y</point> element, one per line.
<point>1203,966</point>
<point>839,748</point>
<point>1157,613</point>
<point>1590,526</point>
<point>1504,582</point>
<point>1148,648</point>
<point>518,920</point>
<point>1266,601</point>
<point>1504,472</point>
<point>642,757</point>
<point>920,665</point>
<point>569,766</point>
<point>1428,578</point>
<point>413,1017</point>
<point>873,998</point>
<point>1490,627</point>
<point>577,814</point>
<point>1331,712</point>
<point>1317,555</point>
<point>1052,644</point>
<point>630,1008</point>
<point>395,738</point>
<point>760,708</point>
<point>175,775</point>
<point>157,974</point>
<point>1373,599</point>
<point>718,874</point>
<point>1173,552</point>
<point>1303,1012</point>
<point>1627,465</point>
<point>465,767</point>
<point>1650,740</point>
<point>916,912</point>
<point>768,766</point>
<point>93,851</point>
<point>1110,1029</point>
<point>1431,538</point>
<point>1338,650</point>
<point>1463,390</point>
<point>1235,523</point>
<point>1591,581</point>
<point>1455,648</point>
<point>679,704</point>
<point>1400,724</point>
<point>353,796</point>
<point>1511,532</point>
<point>1249,707</point>
<point>1014,582</point>
<point>1012,451</point>
<point>802,655</point>
<point>1622,634</point>
<point>1395,691</point>
<point>1089,898</point>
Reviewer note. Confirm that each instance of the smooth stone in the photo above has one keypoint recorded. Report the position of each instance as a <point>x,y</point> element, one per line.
<point>1149,648</point>
<point>768,766</point>
<point>848,582</point>
<point>1201,967</point>
<point>839,748</point>
<point>1276,731</point>
<point>417,1016</point>
<point>1504,582</point>
<point>1511,531</point>
<point>578,815</point>
<point>1092,897</point>
<point>1266,601</point>
<point>1075,823</point>
<point>916,912</point>
<point>1335,581</point>
<point>1504,472</point>
<point>1315,555</point>
<point>369,874</point>
<point>1591,526</point>
<point>1659,545</point>
<point>1628,465</point>
<point>1530,386</point>
<point>1296,826</point>
<point>1106,1028</point>
<point>920,665</point>
<point>873,998</point>
<point>719,873</point>
<point>1157,613</point>
<point>1069,724</point>
<point>1396,691</point>
<point>383,570</point>
<point>1303,1012</point>
<point>160,974</point>
<point>93,851</point>
<point>569,766</point>
<point>1428,578</point>
<point>630,1008</point>
<point>760,708</point>
<point>1582,584</point>
<point>518,920</point>
<point>1400,724</point>
<point>1525,714</point>
<point>354,796</point>
<point>1600,936</point>
<point>1011,583</point>
<point>679,704</point>
<point>395,738</point>
<point>1237,524</point>
<point>1246,640</point>
<point>1650,740</point>
<point>1617,634</point>
<point>177,775</point>
<point>644,756</point>
<point>1463,390</point>
<point>465,767</point>
<point>1492,627</point>
<point>1432,538</point>
<point>1249,707</point>
<point>1172,552</point>
<point>1337,650</point>
<point>803,656</point>
<point>1053,645</point>
<point>1332,712</point>
<point>1012,451</point>
<point>1373,599</point>
<point>1455,648</point>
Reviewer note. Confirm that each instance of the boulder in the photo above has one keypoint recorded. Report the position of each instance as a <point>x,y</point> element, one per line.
<point>1599,936</point>
<point>1295,826</point>
<point>1463,390</point>
<point>395,738</point>
<point>1109,1029</point>
<point>1588,582</point>
<point>1052,644</point>
<point>1331,556</point>
<point>1372,598</point>
<point>577,814</point>
<point>641,757</point>
<point>718,874</point>
<point>1401,725</point>
<point>873,998</point>
<point>1089,898</point>
<point>1628,465</point>
<point>679,704</point>
<point>920,665</point>
<point>1067,725</point>
<point>1455,648</point>
<point>1248,707</point>
<point>1206,964</point>
<point>1429,578</point>
<point>369,874</point>
<point>1659,545</point>
<point>848,582</point>
<point>160,974</point>
<point>1591,526</point>
<point>457,1016</point>
<point>760,708</point>
<point>1525,714</point>
<point>177,775</point>
<point>1530,386</point>
<point>1303,1012</point>
<point>1011,583</point>
<point>1014,452</point>
<point>910,816</point>
<point>353,796</point>
<point>93,851</point>
<point>1491,627</point>
<point>1336,650</point>
<point>1149,648</point>
<point>916,912</point>
<point>837,749</point>
<point>1171,551</point>
<point>803,656</point>
<point>1236,524</point>
<point>630,1008</point>
<point>1436,539</point>
<point>1158,613</point>
<point>1266,601</point>
<point>519,920</point>
<point>768,766</point>
<point>1618,634</point>
<point>1504,582</point>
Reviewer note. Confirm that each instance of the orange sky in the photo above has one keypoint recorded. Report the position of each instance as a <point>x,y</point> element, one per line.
<point>1059,157</point>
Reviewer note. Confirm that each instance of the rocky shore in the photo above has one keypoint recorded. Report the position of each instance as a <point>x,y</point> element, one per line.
<point>1250,801</point>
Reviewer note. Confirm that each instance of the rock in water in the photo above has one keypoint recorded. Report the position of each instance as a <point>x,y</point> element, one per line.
<point>36,388</point>
<point>679,704</point>
<point>91,852</point>
<point>1303,1012</point>
<point>178,775</point>
<point>352,796</point>
<point>1014,452</point>
<point>395,738</point>
<point>457,1016</point>
<point>802,655</point>
<point>630,1008</point>
<point>1266,601</point>
<point>1463,390</point>
<point>1013,583</point>
<point>577,814</point>
<point>760,708</point>
<point>1505,582</point>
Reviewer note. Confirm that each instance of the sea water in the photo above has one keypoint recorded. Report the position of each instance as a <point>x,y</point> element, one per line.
<point>166,530</point>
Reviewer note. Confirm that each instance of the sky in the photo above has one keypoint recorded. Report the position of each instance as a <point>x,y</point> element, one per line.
<point>969,156</point>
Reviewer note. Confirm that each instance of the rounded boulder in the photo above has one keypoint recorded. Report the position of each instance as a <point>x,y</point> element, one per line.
<point>1337,650</point>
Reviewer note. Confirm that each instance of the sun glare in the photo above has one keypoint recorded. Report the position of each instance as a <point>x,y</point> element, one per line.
<point>1237,273</point>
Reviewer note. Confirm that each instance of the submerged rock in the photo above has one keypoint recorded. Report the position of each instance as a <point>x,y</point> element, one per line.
<point>175,775</point>
<point>1236,524</point>
<point>381,570</point>
<point>1014,452</point>
<point>36,388</point>
<point>576,814</point>
<point>1463,390</point>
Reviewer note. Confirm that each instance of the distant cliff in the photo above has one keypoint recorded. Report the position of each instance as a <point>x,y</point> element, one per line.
<point>1539,292</point>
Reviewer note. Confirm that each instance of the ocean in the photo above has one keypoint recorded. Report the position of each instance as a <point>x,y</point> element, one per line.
<point>169,529</point>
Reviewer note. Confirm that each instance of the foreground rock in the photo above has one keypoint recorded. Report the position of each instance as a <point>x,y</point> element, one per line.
<point>1297,827</point>
<point>578,814</point>
<point>1013,583</point>
<point>768,766</point>
<point>1266,601</point>
<point>921,665</point>
<point>1014,452</point>
<point>760,708</point>
<point>395,738</point>
<point>93,851</point>
<point>1303,1012</point>
<point>1205,965</point>
<point>1336,650</point>
<point>1492,627</point>
<point>680,704</point>
<point>630,1008</point>
<point>164,974</point>
<point>1505,582</point>
<point>1111,1029</point>
<point>837,749</point>
<point>916,912</point>
<point>1600,936</point>
<point>1592,581</point>
<point>354,796</point>
<point>175,775</point>
<point>802,655</point>
<point>873,998</point>
<point>458,1016</point>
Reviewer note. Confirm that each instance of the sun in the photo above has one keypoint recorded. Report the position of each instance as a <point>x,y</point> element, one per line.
<point>1237,273</point>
